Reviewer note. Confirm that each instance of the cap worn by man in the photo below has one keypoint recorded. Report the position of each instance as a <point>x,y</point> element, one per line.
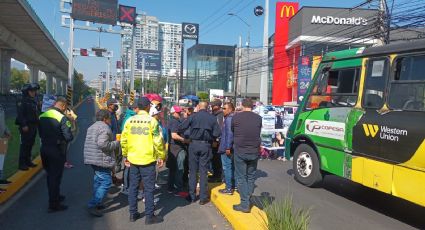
<point>143,102</point>
<point>112,101</point>
<point>176,109</point>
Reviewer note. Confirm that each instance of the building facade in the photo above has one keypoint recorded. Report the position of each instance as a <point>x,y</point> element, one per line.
<point>152,35</point>
<point>209,67</point>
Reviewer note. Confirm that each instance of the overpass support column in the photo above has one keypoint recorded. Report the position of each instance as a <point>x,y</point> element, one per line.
<point>64,83</point>
<point>49,83</point>
<point>5,59</point>
<point>34,73</point>
<point>58,86</point>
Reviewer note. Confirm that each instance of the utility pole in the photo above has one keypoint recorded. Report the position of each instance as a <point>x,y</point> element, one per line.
<point>384,23</point>
<point>238,68</point>
<point>247,67</point>
<point>264,91</point>
<point>108,75</point>
<point>132,59</point>
<point>143,76</point>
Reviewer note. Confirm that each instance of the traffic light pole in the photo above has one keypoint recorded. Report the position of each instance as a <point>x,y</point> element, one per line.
<point>71,54</point>
<point>108,74</point>
<point>132,60</point>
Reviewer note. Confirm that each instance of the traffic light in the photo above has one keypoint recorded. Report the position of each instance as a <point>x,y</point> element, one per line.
<point>84,52</point>
<point>69,95</point>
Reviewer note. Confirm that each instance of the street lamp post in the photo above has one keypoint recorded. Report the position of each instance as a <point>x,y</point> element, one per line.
<point>247,45</point>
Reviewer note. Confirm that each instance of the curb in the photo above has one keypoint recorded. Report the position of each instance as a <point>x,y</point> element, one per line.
<point>19,180</point>
<point>238,220</point>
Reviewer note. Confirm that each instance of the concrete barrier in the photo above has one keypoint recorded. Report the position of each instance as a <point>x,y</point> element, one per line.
<point>239,221</point>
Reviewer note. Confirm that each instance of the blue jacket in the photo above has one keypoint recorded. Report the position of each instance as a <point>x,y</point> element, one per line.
<point>128,113</point>
<point>226,140</point>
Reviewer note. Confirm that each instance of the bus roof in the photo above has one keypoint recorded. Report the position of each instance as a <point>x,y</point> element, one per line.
<point>343,54</point>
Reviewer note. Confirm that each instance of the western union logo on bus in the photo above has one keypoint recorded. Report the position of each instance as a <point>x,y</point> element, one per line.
<point>288,10</point>
<point>386,133</point>
<point>370,130</point>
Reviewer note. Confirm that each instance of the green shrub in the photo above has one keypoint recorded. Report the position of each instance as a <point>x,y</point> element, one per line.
<point>282,215</point>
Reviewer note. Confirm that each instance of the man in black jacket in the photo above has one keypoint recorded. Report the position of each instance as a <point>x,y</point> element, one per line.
<point>204,129</point>
<point>27,120</point>
<point>55,134</point>
<point>246,127</point>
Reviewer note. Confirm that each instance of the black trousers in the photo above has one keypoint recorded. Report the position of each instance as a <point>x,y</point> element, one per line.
<point>199,158</point>
<point>27,141</point>
<point>53,158</point>
<point>216,164</point>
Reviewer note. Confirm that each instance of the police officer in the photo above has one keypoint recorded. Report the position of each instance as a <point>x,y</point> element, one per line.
<point>142,148</point>
<point>27,120</point>
<point>204,129</point>
<point>55,134</point>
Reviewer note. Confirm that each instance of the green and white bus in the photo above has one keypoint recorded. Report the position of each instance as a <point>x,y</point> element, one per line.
<point>363,118</point>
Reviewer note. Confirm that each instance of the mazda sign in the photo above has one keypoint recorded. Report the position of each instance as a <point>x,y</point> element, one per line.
<point>190,31</point>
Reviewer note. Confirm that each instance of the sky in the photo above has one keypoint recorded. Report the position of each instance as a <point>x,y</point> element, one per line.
<point>216,26</point>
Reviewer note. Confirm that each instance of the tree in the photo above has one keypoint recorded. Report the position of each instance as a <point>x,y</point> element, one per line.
<point>80,88</point>
<point>18,78</point>
<point>203,96</point>
<point>43,86</point>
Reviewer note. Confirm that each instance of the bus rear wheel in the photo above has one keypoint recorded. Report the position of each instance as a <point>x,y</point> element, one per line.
<point>306,166</point>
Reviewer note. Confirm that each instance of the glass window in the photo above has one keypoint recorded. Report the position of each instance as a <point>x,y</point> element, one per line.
<point>335,88</point>
<point>376,78</point>
<point>407,88</point>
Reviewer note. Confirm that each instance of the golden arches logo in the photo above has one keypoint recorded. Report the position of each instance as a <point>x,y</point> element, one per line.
<point>370,130</point>
<point>288,10</point>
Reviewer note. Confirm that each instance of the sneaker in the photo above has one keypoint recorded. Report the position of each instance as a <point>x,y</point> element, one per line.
<point>239,208</point>
<point>190,200</point>
<point>57,208</point>
<point>134,217</point>
<point>32,165</point>
<point>5,182</point>
<point>181,194</point>
<point>203,202</point>
<point>23,168</point>
<point>94,212</point>
<point>226,191</point>
<point>157,186</point>
<point>100,206</point>
<point>153,220</point>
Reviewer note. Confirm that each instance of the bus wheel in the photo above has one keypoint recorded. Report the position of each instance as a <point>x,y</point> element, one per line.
<point>306,166</point>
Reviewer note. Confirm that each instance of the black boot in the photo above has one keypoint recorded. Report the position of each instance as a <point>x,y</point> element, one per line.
<point>57,207</point>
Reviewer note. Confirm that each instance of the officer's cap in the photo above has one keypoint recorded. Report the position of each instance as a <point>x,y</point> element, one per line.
<point>112,101</point>
<point>216,102</point>
<point>30,86</point>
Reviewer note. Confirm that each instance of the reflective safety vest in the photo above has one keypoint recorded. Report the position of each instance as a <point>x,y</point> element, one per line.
<point>54,127</point>
<point>141,140</point>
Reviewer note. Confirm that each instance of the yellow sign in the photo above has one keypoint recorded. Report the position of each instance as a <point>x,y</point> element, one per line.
<point>370,130</point>
<point>288,10</point>
<point>315,64</point>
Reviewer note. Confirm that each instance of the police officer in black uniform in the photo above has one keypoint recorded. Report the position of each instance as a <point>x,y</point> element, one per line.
<point>204,129</point>
<point>55,134</point>
<point>27,120</point>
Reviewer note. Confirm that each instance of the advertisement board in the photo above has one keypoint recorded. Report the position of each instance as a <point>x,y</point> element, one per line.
<point>190,31</point>
<point>216,94</point>
<point>98,11</point>
<point>152,59</point>
<point>304,76</point>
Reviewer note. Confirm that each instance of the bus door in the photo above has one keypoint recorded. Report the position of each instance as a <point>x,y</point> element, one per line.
<point>333,95</point>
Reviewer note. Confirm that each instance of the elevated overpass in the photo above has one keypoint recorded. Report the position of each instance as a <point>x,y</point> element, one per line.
<point>24,37</point>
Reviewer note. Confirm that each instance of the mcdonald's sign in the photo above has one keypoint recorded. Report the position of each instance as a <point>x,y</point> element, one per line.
<point>287,11</point>
<point>282,80</point>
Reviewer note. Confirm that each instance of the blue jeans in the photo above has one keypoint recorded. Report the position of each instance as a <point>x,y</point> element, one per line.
<point>175,177</point>
<point>101,184</point>
<point>245,169</point>
<point>147,173</point>
<point>229,170</point>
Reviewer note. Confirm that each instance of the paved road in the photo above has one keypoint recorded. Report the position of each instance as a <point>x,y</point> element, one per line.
<point>338,204</point>
<point>30,211</point>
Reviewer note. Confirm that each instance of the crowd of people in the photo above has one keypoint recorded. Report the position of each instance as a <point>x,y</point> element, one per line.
<point>210,138</point>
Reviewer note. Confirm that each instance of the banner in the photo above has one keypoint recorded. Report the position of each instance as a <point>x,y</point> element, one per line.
<point>98,11</point>
<point>152,59</point>
<point>315,65</point>
<point>48,102</point>
<point>304,76</point>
